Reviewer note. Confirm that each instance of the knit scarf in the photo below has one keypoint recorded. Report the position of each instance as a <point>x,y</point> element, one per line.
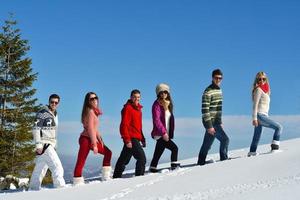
<point>265,87</point>
<point>97,111</point>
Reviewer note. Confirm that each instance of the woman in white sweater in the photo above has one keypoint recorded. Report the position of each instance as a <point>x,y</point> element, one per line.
<point>260,117</point>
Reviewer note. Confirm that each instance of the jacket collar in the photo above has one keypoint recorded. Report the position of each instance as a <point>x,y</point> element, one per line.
<point>137,107</point>
<point>214,86</point>
<point>48,109</point>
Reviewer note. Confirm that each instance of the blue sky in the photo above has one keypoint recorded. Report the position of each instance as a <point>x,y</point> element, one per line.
<point>112,47</point>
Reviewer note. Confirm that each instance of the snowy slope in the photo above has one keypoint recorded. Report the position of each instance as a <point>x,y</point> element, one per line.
<point>267,176</point>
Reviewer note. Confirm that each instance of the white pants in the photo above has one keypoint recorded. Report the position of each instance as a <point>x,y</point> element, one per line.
<point>49,159</point>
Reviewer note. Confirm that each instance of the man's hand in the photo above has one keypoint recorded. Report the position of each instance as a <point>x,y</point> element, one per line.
<point>39,151</point>
<point>255,123</point>
<point>211,131</point>
<point>143,143</point>
<point>129,145</point>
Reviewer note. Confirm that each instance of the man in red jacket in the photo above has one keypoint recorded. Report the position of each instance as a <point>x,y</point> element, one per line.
<point>132,135</point>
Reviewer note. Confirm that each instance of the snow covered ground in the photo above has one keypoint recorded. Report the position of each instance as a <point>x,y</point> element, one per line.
<point>267,176</point>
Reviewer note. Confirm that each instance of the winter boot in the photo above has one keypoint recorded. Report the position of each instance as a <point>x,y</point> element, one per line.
<point>78,181</point>
<point>175,165</point>
<point>209,161</point>
<point>153,170</point>
<point>274,147</point>
<point>252,154</point>
<point>106,173</point>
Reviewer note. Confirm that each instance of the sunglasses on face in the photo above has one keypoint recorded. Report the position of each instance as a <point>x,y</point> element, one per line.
<point>93,98</point>
<point>261,79</point>
<point>218,77</point>
<point>54,102</point>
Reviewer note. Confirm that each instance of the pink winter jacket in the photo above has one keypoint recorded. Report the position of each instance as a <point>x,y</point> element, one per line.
<point>91,125</point>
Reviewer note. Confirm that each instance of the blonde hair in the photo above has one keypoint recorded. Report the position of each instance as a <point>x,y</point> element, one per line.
<point>255,83</point>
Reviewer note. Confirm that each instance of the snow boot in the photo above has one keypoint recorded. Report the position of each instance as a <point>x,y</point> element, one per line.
<point>210,161</point>
<point>252,154</point>
<point>175,165</point>
<point>78,181</point>
<point>153,170</point>
<point>274,147</point>
<point>106,173</point>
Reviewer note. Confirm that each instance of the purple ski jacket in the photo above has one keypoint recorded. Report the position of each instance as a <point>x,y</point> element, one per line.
<point>159,121</point>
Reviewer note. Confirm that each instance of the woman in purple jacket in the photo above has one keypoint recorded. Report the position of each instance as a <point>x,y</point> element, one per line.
<point>163,127</point>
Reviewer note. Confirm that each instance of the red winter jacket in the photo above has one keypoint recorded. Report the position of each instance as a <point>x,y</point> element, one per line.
<point>131,122</point>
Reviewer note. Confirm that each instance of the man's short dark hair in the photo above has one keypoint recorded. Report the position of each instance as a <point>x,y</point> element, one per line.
<point>54,96</point>
<point>135,91</point>
<point>217,72</point>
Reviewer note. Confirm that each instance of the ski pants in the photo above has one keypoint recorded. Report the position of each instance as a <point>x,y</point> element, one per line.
<point>49,159</point>
<point>84,149</point>
<point>137,152</point>
<point>160,147</point>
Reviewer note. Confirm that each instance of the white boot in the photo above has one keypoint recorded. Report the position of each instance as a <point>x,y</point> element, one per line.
<point>78,181</point>
<point>106,173</point>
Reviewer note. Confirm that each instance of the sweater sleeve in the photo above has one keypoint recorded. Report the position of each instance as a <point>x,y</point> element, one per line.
<point>206,118</point>
<point>91,128</point>
<point>156,112</point>
<point>124,126</point>
<point>256,98</point>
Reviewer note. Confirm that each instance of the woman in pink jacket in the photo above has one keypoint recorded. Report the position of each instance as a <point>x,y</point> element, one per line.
<point>90,139</point>
<point>163,127</point>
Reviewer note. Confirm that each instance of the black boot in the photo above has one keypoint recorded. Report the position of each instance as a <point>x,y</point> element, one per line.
<point>153,170</point>
<point>175,166</point>
<point>274,147</point>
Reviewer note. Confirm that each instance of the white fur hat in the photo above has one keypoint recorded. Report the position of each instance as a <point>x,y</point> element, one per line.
<point>162,87</point>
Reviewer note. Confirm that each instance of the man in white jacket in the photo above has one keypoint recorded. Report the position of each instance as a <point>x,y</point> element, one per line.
<point>45,134</point>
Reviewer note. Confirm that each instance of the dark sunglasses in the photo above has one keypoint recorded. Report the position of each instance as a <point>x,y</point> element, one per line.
<point>163,92</point>
<point>218,77</point>
<point>54,102</point>
<point>261,79</point>
<point>93,98</point>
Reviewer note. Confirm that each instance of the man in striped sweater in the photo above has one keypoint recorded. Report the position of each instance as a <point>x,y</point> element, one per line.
<point>212,118</point>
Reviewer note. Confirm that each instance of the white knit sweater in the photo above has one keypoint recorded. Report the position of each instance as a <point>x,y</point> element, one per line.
<point>45,128</point>
<point>261,103</point>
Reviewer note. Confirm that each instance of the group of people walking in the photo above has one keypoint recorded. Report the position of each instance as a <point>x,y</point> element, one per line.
<point>45,131</point>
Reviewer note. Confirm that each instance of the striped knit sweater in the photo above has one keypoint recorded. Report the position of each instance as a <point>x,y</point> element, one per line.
<point>212,106</point>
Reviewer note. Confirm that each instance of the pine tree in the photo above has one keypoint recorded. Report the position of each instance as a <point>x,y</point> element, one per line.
<point>17,104</point>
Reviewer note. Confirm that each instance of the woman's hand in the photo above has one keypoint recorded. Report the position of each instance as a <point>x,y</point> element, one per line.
<point>166,137</point>
<point>101,141</point>
<point>95,149</point>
